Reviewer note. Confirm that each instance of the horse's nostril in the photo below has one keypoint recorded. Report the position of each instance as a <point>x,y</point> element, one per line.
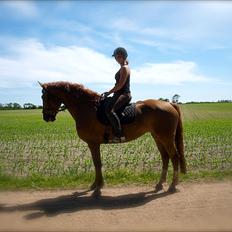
<point>49,118</point>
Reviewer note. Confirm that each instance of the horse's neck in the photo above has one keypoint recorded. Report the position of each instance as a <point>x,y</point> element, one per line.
<point>78,106</point>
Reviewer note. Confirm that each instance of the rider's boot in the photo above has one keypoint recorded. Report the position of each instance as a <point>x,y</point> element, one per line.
<point>115,122</point>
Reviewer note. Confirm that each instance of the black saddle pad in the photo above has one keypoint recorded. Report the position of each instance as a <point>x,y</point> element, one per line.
<point>125,115</point>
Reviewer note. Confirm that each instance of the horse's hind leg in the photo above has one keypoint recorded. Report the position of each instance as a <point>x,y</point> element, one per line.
<point>165,161</point>
<point>173,155</point>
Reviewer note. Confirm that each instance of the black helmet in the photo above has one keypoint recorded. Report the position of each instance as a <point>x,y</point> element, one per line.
<point>121,51</point>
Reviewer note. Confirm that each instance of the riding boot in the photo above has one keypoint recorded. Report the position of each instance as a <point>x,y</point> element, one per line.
<point>115,122</point>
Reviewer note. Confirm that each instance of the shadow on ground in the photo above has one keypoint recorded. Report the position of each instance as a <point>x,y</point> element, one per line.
<point>82,201</point>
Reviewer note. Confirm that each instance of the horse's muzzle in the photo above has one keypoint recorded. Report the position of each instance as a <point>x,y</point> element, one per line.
<point>49,118</point>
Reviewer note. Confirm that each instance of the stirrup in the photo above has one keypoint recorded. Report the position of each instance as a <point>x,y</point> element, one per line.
<point>118,139</point>
<point>123,139</point>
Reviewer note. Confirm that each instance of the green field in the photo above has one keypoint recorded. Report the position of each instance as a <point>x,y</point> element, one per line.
<point>34,153</point>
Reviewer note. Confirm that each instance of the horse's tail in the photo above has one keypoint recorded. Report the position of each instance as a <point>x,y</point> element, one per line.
<point>179,141</point>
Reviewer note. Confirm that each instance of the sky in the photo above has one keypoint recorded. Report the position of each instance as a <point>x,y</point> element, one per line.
<point>174,47</point>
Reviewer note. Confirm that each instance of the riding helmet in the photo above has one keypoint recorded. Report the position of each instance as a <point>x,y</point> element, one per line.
<point>121,51</point>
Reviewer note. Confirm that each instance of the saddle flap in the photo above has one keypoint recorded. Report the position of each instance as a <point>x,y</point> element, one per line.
<point>126,114</point>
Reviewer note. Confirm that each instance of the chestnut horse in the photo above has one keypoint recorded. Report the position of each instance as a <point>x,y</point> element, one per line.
<point>162,119</point>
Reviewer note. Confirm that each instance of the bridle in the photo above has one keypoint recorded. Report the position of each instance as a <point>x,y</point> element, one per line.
<point>54,112</point>
<point>48,111</point>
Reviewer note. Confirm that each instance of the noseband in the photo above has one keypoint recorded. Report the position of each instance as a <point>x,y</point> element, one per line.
<point>50,112</point>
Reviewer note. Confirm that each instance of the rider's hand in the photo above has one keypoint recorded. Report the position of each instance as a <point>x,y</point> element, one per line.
<point>104,95</point>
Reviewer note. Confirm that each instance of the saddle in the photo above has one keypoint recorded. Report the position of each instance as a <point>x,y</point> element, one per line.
<point>126,114</point>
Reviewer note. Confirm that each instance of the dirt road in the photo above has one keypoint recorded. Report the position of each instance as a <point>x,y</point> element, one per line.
<point>196,207</point>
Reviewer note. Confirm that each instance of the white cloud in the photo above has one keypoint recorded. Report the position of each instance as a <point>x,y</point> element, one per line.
<point>30,61</point>
<point>173,73</point>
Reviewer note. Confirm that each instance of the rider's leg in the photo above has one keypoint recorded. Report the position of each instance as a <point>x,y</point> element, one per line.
<point>113,118</point>
<point>115,122</point>
<point>115,104</point>
<point>121,101</point>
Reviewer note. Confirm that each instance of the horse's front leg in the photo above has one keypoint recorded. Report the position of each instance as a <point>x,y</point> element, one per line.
<point>96,156</point>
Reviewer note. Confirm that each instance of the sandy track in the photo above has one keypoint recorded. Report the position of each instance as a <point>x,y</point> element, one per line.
<point>196,207</point>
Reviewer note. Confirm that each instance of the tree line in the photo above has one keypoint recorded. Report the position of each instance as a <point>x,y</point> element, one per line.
<point>17,106</point>
<point>176,97</point>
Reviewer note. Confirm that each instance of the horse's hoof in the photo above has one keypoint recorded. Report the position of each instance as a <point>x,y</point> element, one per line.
<point>96,193</point>
<point>172,189</point>
<point>158,188</point>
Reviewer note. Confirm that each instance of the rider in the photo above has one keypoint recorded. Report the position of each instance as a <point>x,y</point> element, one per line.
<point>121,93</point>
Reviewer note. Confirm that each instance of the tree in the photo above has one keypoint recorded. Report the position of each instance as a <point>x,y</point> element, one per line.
<point>29,106</point>
<point>16,106</point>
<point>175,98</point>
<point>164,99</point>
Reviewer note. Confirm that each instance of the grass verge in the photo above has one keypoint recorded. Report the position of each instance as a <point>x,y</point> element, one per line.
<point>120,177</point>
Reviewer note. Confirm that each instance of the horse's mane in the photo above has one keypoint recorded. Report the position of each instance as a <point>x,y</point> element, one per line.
<point>74,88</point>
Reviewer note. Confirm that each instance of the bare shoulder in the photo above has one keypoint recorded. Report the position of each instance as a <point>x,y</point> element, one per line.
<point>125,69</point>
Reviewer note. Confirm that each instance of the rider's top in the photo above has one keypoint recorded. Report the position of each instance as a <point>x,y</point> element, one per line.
<point>126,87</point>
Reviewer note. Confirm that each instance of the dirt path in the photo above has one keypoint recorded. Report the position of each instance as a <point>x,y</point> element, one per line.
<point>196,207</point>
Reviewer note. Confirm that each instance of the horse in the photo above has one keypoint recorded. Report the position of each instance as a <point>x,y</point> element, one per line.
<point>162,119</point>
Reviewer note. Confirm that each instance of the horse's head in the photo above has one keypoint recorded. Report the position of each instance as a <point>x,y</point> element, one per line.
<point>51,103</point>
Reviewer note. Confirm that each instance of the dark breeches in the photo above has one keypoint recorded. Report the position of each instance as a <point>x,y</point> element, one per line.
<point>115,104</point>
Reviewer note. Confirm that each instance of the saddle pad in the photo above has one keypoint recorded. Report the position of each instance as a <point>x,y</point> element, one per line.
<point>126,116</point>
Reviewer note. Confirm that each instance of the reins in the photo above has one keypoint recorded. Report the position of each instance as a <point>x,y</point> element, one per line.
<point>96,99</point>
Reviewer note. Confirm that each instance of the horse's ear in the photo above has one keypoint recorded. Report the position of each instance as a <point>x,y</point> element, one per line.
<point>44,86</point>
<point>40,84</point>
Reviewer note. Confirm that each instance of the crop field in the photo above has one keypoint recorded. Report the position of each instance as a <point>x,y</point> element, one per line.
<point>31,147</point>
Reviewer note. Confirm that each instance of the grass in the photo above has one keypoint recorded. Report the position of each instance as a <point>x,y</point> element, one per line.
<point>35,154</point>
<point>121,177</point>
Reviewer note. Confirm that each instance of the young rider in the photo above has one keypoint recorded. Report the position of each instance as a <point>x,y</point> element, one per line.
<point>121,93</point>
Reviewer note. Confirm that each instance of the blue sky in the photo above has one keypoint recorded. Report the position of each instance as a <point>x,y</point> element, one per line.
<point>182,47</point>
